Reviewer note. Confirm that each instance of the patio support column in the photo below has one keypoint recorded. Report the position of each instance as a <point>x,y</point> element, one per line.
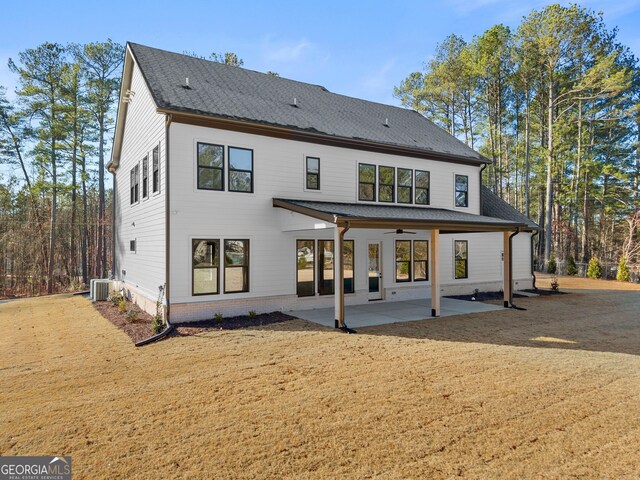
<point>506,276</point>
<point>434,256</point>
<point>338,274</point>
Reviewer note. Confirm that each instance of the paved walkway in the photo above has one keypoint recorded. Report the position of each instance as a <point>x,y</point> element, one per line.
<point>381,313</point>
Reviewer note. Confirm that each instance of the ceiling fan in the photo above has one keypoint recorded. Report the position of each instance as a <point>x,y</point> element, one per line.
<point>400,231</point>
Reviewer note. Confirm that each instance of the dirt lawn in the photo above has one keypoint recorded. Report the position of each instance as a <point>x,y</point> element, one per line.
<point>551,392</point>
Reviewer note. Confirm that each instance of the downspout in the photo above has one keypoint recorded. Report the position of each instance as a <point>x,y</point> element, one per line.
<point>113,229</point>
<point>169,328</point>
<point>511,269</point>
<point>533,270</point>
<point>344,327</point>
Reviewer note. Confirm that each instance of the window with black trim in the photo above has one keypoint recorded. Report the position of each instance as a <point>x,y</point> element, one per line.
<point>205,266</point>
<point>305,268</point>
<point>236,266</point>
<point>366,182</point>
<point>240,170</point>
<point>312,165</point>
<point>423,182</point>
<point>145,177</point>
<point>325,267</point>
<point>386,184</point>
<point>155,175</point>
<point>210,166</point>
<point>461,255</point>
<point>462,191</point>
<point>420,260</point>
<point>134,184</point>
<point>349,279</point>
<point>405,185</point>
<point>403,260</point>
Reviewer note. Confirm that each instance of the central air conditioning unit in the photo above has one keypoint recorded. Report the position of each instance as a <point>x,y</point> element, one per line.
<point>99,289</point>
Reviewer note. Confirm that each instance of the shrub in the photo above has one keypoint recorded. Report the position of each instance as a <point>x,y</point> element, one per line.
<point>551,266</point>
<point>572,269</point>
<point>555,285</point>
<point>122,305</point>
<point>252,314</point>
<point>594,270</point>
<point>115,298</point>
<point>623,274</point>
<point>218,318</point>
<point>156,323</point>
<point>132,315</point>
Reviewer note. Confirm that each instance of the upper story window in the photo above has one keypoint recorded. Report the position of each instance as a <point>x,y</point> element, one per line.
<point>423,180</point>
<point>386,184</point>
<point>240,170</point>
<point>405,185</point>
<point>312,165</point>
<point>145,177</point>
<point>210,166</point>
<point>462,191</point>
<point>366,182</point>
<point>134,184</point>
<point>155,175</point>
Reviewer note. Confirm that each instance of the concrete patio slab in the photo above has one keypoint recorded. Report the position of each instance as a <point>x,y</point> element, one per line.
<point>381,313</point>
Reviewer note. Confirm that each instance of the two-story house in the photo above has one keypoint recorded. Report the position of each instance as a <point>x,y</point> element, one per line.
<point>244,191</point>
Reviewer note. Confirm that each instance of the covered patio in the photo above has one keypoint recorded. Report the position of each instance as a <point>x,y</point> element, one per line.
<point>382,313</point>
<point>346,216</point>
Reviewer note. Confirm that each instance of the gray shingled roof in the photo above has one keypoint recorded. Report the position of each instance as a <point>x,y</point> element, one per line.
<point>494,206</point>
<point>236,93</point>
<point>393,213</point>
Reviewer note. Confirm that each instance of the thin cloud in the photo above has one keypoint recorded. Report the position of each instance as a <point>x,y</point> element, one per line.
<point>285,52</point>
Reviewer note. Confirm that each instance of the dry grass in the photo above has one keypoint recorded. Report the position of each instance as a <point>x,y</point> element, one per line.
<point>551,392</point>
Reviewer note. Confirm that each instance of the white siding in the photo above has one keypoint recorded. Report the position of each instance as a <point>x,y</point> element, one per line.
<point>144,221</point>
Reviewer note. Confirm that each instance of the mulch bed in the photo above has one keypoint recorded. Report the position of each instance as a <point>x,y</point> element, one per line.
<point>482,296</point>
<point>137,330</point>
<point>141,328</point>
<point>230,323</point>
<point>545,291</point>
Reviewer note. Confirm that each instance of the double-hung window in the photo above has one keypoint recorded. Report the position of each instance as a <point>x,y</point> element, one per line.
<point>240,170</point>
<point>134,184</point>
<point>461,254</point>
<point>420,260</point>
<point>236,266</point>
<point>367,182</point>
<point>412,260</point>
<point>462,191</point>
<point>205,266</point>
<point>145,177</point>
<point>312,165</point>
<point>210,166</point>
<point>405,185</point>
<point>386,184</point>
<point>403,260</point>
<point>422,187</point>
<point>155,175</point>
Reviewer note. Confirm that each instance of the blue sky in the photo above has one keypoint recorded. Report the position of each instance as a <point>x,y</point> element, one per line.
<point>362,49</point>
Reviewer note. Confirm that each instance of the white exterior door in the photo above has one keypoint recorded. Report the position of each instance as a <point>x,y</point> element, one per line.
<point>375,271</point>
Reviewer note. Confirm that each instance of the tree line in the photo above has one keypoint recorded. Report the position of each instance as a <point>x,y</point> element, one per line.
<point>555,105</point>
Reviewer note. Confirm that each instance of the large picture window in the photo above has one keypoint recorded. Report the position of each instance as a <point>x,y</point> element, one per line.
<point>403,260</point>
<point>240,170</point>
<point>210,166</point>
<point>461,254</point>
<point>312,165</point>
<point>236,266</point>
<point>462,191</point>
<point>422,187</point>
<point>325,267</point>
<point>145,177</point>
<point>386,184</point>
<point>205,266</point>
<point>420,260</point>
<point>367,182</point>
<point>405,185</point>
<point>155,176</point>
<point>134,184</point>
<point>305,268</point>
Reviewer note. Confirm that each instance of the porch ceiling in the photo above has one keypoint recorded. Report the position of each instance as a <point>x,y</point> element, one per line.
<point>393,216</point>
